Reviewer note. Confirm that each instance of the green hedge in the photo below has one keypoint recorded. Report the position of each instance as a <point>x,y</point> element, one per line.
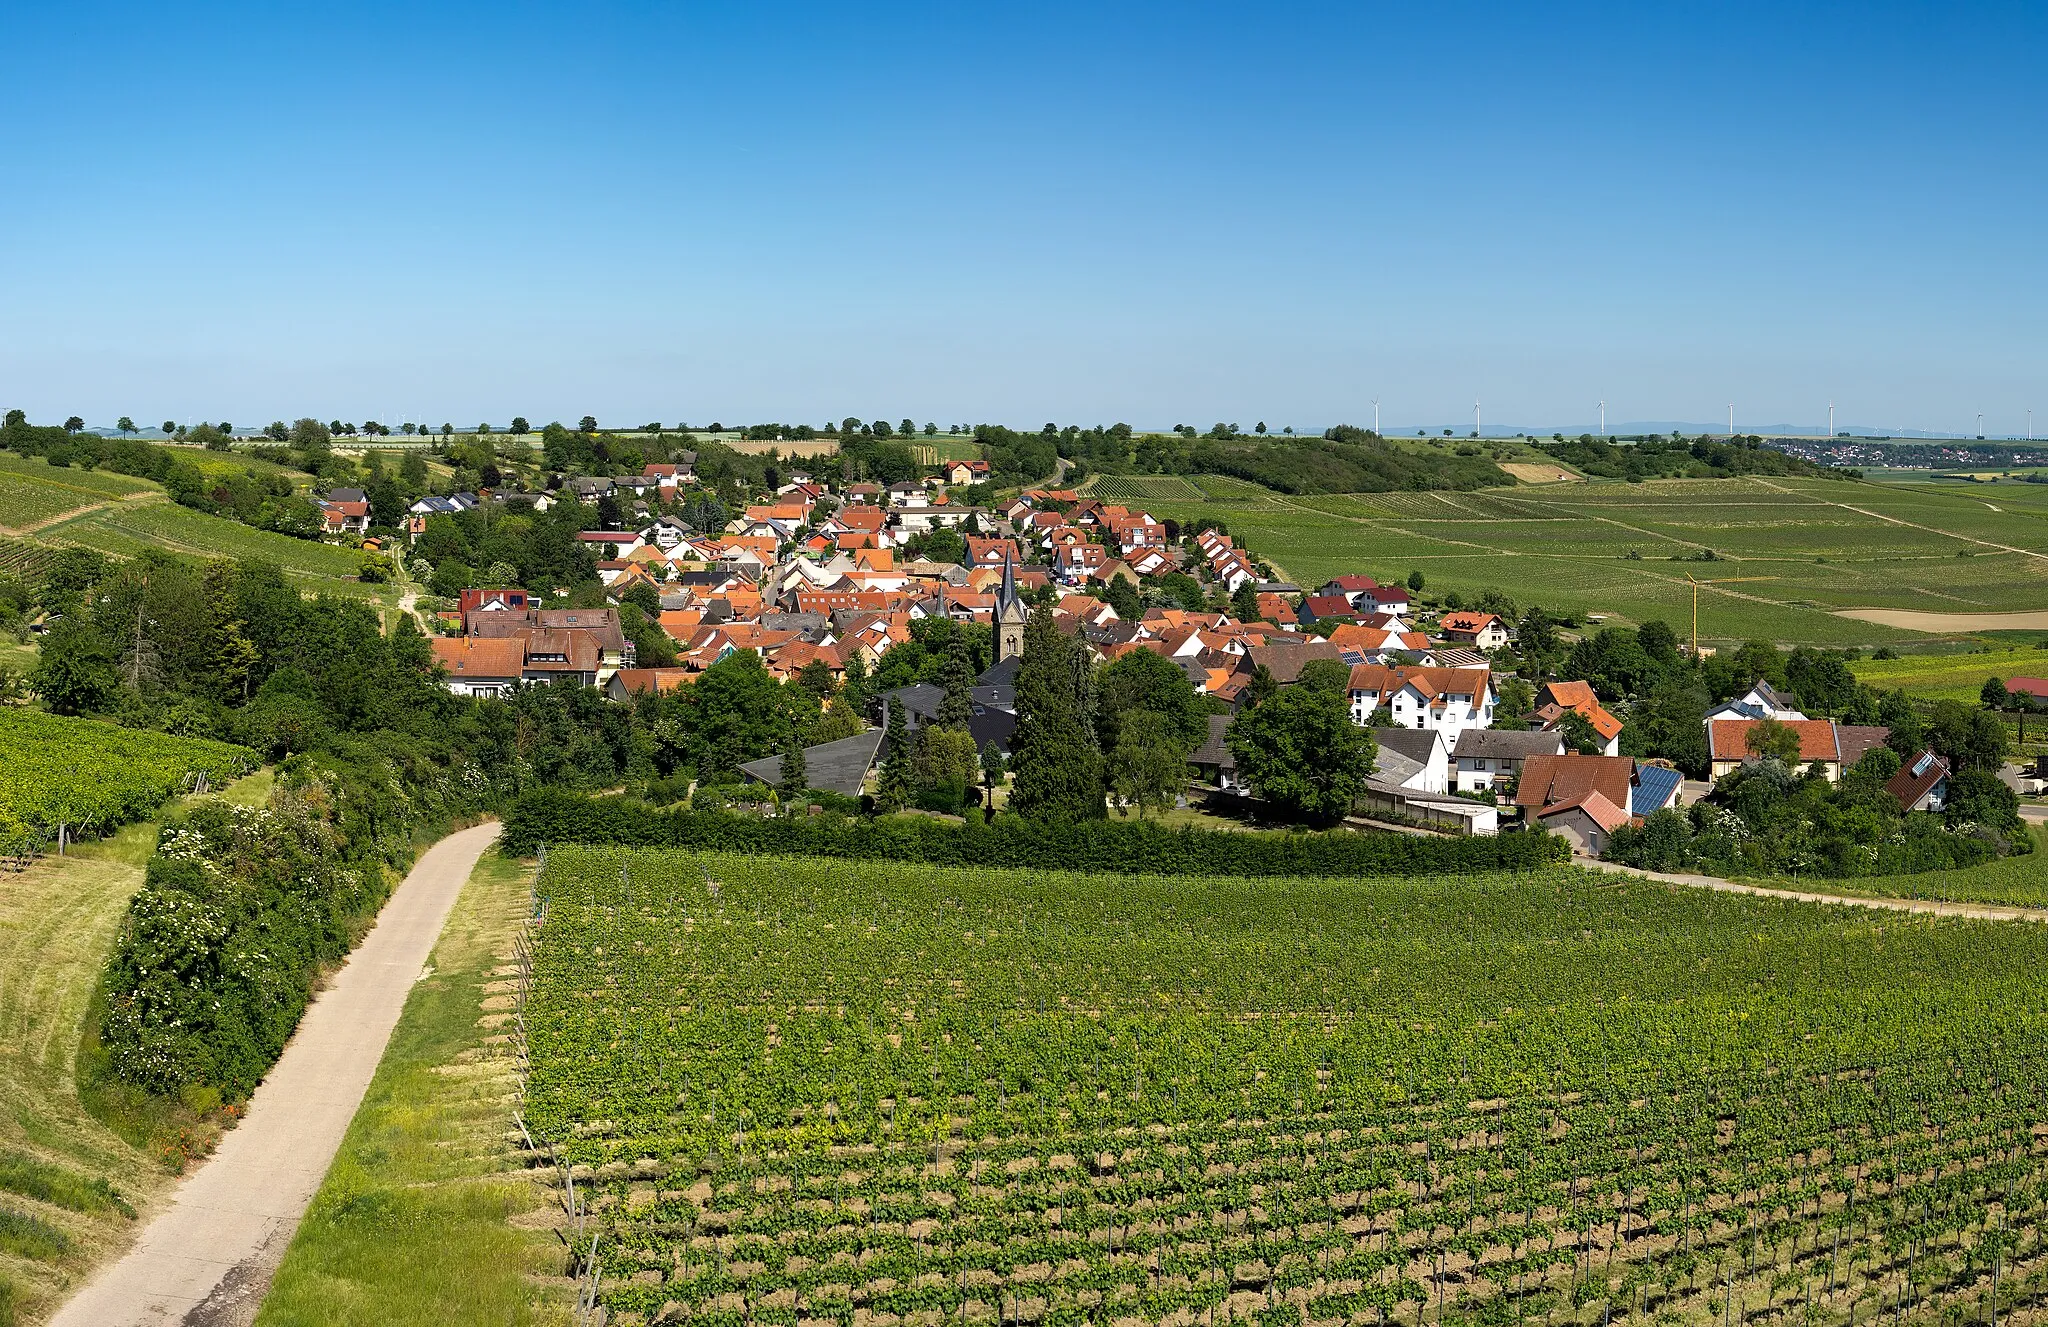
<point>1011,843</point>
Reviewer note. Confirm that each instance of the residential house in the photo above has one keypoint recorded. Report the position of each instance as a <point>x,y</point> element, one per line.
<point>1556,699</point>
<point>1835,747</point>
<point>965,472</point>
<point>1921,784</point>
<point>1587,798</point>
<point>1492,757</point>
<point>480,667</point>
<point>1479,631</point>
<point>1759,702</point>
<point>1447,699</point>
<point>1213,762</point>
<point>1415,759</point>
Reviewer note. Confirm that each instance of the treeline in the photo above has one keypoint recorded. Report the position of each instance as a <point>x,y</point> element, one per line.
<point>1345,459</point>
<point>1771,817</point>
<point>1660,457</point>
<point>261,497</point>
<point>1013,842</point>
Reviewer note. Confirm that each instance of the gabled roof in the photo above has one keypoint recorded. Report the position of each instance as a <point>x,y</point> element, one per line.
<point>1548,781</point>
<point>471,658</point>
<point>836,767</point>
<point>1917,778</point>
<point>1506,744</point>
<point>1595,804</point>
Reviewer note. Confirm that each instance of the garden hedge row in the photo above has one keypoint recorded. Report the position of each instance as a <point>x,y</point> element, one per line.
<point>547,817</point>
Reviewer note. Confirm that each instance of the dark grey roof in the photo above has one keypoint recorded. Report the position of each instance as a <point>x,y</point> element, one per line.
<point>1214,749</point>
<point>1505,744</point>
<point>808,626</point>
<point>1003,674</point>
<point>833,767</point>
<point>1414,743</point>
<point>345,495</point>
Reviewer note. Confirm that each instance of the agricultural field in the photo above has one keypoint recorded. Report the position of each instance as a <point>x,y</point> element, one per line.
<point>1176,488</point>
<point>33,492</point>
<point>799,1091</point>
<point>1790,554</point>
<point>125,532</point>
<point>93,777</point>
<point>1949,676</point>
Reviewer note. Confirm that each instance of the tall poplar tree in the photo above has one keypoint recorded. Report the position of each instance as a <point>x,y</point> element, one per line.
<point>1056,765</point>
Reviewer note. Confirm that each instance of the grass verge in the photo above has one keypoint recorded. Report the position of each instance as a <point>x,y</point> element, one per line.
<point>423,1217</point>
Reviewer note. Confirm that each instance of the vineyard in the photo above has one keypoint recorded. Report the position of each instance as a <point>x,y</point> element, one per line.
<point>89,777</point>
<point>796,1091</point>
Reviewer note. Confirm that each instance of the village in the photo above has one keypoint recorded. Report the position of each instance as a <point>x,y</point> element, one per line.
<point>816,576</point>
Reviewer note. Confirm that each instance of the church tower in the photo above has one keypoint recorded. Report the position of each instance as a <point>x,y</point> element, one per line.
<point>1009,615</point>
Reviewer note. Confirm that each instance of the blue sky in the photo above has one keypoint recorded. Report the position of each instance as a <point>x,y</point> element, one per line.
<point>1153,213</point>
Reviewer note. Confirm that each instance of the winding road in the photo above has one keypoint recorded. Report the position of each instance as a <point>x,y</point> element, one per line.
<point>207,1258</point>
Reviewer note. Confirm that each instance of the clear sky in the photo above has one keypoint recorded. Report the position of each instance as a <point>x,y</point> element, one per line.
<point>1156,213</point>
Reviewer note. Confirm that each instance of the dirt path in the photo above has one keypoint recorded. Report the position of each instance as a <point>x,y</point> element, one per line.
<point>37,527</point>
<point>208,1257</point>
<point>1975,911</point>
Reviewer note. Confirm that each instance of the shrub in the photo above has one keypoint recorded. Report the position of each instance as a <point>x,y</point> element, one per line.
<point>1011,842</point>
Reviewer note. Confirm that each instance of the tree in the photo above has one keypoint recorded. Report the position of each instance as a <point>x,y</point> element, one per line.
<point>892,783</point>
<point>853,686</point>
<point>1142,681</point>
<point>520,427</point>
<point>1980,797</point>
<point>794,780</point>
<point>1057,771</point>
<point>1994,695</point>
<point>169,427</point>
<point>313,441</point>
<point>1579,734</point>
<point>1415,582</point>
<point>73,424</point>
<point>956,675</point>
<point>1969,739</point>
<point>588,424</point>
<point>1244,602</point>
<point>1148,766</point>
<point>209,437</point>
<point>943,767</point>
<point>1767,738</point>
<point>1122,597</point>
<point>1301,754</point>
<point>74,671</point>
<point>125,424</point>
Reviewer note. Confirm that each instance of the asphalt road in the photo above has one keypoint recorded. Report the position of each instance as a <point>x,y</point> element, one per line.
<point>207,1258</point>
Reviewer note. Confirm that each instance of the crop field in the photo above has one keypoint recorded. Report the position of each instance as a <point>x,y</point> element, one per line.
<point>94,776</point>
<point>1950,676</point>
<point>33,491</point>
<point>798,1091</point>
<point>125,532</point>
<point>1790,553</point>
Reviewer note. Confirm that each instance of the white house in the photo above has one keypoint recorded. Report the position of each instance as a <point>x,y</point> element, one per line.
<point>1449,700</point>
<point>1490,757</point>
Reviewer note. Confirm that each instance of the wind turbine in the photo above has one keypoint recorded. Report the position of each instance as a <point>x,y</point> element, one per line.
<point>1980,424</point>
<point>1603,419</point>
<point>1731,419</point>
<point>1831,419</point>
<point>1475,419</point>
<point>1375,414</point>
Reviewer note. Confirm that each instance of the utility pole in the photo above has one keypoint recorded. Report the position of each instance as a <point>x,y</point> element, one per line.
<point>1695,616</point>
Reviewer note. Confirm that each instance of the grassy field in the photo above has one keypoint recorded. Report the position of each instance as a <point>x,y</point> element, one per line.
<point>1790,551</point>
<point>63,1167</point>
<point>799,1091</point>
<point>423,1219</point>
